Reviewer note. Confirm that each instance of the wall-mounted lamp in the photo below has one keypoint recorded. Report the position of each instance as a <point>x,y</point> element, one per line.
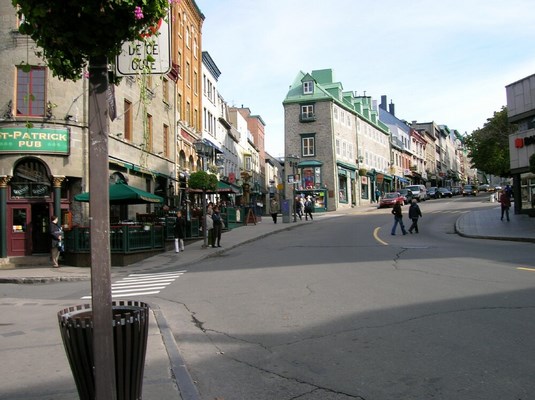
<point>160,153</point>
<point>119,134</point>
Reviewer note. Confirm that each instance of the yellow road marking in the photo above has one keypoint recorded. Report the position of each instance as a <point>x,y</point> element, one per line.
<point>526,269</point>
<point>376,236</point>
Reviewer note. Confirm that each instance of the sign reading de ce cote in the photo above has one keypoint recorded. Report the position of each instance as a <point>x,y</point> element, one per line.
<point>134,56</point>
<point>34,140</point>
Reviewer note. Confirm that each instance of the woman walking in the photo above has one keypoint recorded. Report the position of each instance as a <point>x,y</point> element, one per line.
<point>179,232</point>
<point>414,214</point>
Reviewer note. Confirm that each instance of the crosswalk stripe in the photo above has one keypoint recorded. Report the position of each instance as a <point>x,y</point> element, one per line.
<point>142,284</point>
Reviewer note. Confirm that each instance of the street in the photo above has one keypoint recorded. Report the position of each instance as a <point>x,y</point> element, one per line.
<point>340,309</point>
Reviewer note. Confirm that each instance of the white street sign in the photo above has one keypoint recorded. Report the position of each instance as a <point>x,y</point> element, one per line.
<point>133,58</point>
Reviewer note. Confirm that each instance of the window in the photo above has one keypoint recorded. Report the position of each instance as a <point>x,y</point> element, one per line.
<point>195,82</point>
<point>335,111</point>
<point>307,112</point>
<point>337,147</point>
<point>165,90</point>
<point>31,92</point>
<point>307,143</point>
<point>247,161</point>
<point>165,140</point>
<point>308,87</point>
<point>127,120</point>
<point>148,134</point>
<point>188,77</point>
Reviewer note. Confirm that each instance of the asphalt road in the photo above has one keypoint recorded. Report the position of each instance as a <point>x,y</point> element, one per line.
<point>340,309</point>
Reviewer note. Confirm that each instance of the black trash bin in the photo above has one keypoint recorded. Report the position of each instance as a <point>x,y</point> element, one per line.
<point>130,331</point>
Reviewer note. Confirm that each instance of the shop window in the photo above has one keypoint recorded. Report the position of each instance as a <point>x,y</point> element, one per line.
<point>31,85</point>
<point>342,189</point>
<point>19,220</point>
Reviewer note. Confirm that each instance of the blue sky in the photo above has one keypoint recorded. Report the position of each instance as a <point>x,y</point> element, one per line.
<point>443,61</point>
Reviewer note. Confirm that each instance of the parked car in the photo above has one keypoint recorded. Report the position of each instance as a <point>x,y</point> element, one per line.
<point>469,190</point>
<point>483,188</point>
<point>407,194</point>
<point>389,199</point>
<point>432,192</point>
<point>443,192</point>
<point>419,192</point>
<point>456,190</point>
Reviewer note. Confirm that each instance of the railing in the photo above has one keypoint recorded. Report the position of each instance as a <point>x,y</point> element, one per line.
<point>123,238</point>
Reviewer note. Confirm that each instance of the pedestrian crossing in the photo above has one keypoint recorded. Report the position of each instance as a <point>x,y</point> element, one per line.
<point>142,284</point>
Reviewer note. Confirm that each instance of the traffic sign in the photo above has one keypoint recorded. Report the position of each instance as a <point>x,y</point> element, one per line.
<point>151,56</point>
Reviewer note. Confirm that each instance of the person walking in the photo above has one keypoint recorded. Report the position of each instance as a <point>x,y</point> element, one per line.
<point>299,207</point>
<point>218,227</point>
<point>505,202</point>
<point>179,230</point>
<point>398,218</point>
<point>274,209</point>
<point>377,195</point>
<point>308,208</point>
<point>56,234</point>
<point>414,214</point>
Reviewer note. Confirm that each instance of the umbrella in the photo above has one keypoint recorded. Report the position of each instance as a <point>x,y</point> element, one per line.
<point>121,193</point>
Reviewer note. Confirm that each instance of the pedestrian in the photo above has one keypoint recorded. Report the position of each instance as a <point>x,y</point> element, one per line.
<point>274,209</point>
<point>218,227</point>
<point>56,234</point>
<point>398,218</point>
<point>505,202</point>
<point>299,206</point>
<point>377,195</point>
<point>509,191</point>
<point>308,208</point>
<point>179,230</point>
<point>414,214</point>
<point>209,226</point>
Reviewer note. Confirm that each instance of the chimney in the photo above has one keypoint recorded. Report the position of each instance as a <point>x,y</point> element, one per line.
<point>383,102</point>
<point>391,108</point>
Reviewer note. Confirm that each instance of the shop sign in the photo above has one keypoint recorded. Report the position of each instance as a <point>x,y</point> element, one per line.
<point>521,142</point>
<point>34,140</point>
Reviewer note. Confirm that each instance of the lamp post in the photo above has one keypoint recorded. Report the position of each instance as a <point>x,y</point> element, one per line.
<point>203,150</point>
<point>359,160</point>
<point>292,162</point>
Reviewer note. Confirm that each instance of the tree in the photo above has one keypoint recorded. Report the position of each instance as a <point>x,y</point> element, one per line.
<point>488,147</point>
<point>203,180</point>
<point>69,33</point>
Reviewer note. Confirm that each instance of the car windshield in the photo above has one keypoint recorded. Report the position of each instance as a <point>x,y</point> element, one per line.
<point>391,195</point>
<point>413,188</point>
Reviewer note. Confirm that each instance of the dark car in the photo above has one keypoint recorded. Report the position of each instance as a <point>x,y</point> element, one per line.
<point>456,190</point>
<point>443,192</point>
<point>407,194</point>
<point>432,192</point>
<point>469,190</point>
<point>389,199</point>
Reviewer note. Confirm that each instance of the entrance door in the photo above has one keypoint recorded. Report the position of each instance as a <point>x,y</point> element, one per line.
<point>40,228</point>
<point>19,242</point>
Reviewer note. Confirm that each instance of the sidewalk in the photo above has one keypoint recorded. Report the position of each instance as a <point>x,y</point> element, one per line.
<point>164,361</point>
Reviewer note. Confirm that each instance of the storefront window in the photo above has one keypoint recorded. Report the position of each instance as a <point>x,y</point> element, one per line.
<point>342,189</point>
<point>19,220</point>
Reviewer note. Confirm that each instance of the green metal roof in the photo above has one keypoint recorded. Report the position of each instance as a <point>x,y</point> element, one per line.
<point>326,89</point>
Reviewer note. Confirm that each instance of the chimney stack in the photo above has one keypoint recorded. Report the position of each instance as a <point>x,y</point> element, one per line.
<point>383,102</point>
<point>391,108</point>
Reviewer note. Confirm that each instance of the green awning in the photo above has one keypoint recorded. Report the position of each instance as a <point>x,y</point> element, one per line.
<point>121,193</point>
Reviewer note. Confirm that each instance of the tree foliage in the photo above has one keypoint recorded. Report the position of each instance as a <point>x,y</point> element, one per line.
<point>203,180</point>
<point>69,33</point>
<point>488,147</point>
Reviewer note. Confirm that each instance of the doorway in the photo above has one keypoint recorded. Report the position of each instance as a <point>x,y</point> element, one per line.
<point>40,228</point>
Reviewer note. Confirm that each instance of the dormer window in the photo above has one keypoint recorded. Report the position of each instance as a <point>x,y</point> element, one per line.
<point>308,87</point>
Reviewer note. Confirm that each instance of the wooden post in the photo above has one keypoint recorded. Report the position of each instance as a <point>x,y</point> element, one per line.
<point>99,214</point>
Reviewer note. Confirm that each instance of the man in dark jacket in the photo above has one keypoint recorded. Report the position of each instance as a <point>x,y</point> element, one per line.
<point>414,214</point>
<point>398,218</point>
<point>56,235</point>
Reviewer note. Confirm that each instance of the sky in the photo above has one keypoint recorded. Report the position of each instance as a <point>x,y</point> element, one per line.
<point>446,61</point>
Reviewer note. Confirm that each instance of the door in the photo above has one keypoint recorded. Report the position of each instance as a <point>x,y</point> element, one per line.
<point>19,228</point>
<point>40,228</point>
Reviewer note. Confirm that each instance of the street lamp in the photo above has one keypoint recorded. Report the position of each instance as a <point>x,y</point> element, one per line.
<point>292,162</point>
<point>203,149</point>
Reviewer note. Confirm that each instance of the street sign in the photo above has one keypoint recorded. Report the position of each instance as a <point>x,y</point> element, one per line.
<point>134,58</point>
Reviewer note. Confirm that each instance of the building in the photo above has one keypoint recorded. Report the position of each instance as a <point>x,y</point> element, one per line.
<point>338,148</point>
<point>44,142</point>
<point>521,111</point>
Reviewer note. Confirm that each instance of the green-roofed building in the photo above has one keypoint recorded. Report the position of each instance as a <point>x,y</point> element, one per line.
<point>333,134</point>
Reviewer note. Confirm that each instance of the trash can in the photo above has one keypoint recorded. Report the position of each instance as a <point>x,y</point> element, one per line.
<point>130,331</point>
